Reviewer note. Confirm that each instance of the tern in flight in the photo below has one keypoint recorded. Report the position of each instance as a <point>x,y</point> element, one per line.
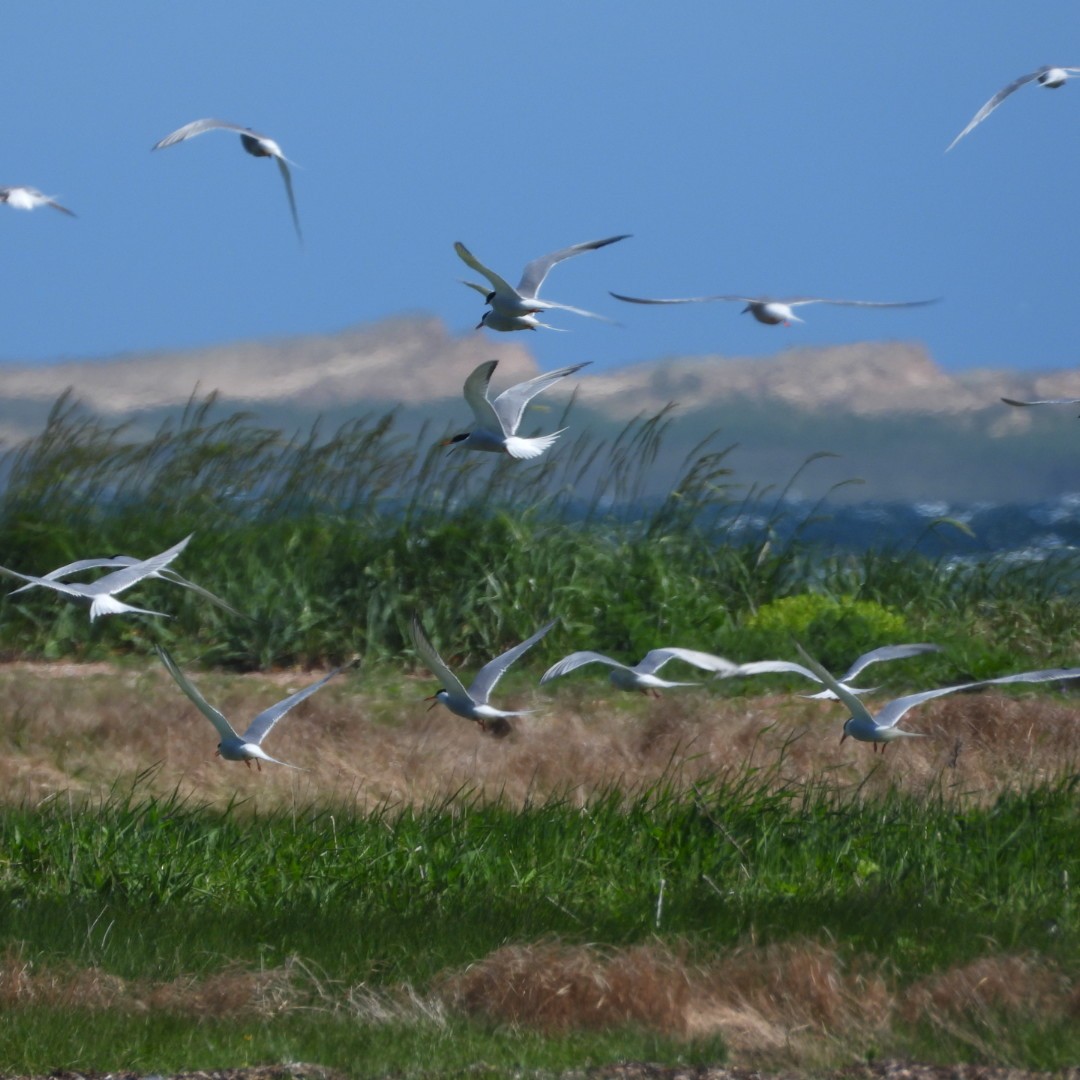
<point>119,562</point>
<point>881,729</point>
<point>255,144</point>
<point>472,704</point>
<point>642,676</point>
<point>773,312</point>
<point>1048,76</point>
<point>247,747</point>
<point>516,309</point>
<point>28,198</point>
<point>497,421</point>
<point>102,593</point>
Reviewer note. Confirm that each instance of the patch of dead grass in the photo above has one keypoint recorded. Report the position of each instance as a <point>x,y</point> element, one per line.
<point>83,735</point>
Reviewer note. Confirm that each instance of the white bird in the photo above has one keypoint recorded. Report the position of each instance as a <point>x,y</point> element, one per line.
<point>472,704</point>
<point>28,198</point>
<point>255,144</point>
<point>1044,401</point>
<point>497,421</point>
<point>119,562</point>
<point>1048,76</point>
<point>514,309</point>
<point>886,652</point>
<point>246,747</point>
<point>102,593</point>
<point>642,676</point>
<point>773,312</point>
<point>865,727</point>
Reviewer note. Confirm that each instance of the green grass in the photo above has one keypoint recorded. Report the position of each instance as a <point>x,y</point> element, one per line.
<point>154,889</point>
<point>329,543</point>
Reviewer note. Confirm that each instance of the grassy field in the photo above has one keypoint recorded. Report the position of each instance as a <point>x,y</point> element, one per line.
<point>703,877</point>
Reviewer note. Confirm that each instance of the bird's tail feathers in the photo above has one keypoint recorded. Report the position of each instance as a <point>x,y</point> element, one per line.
<point>527,449</point>
<point>109,605</point>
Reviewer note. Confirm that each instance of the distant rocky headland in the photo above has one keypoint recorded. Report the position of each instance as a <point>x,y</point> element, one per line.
<point>898,422</point>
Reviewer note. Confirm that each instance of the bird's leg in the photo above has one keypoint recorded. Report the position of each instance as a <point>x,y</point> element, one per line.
<point>258,764</point>
<point>247,762</point>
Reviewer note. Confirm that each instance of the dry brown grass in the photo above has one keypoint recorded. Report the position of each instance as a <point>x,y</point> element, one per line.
<point>65,728</point>
<point>795,1005</point>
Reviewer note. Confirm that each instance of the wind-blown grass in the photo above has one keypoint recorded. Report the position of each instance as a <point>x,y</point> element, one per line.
<point>329,543</point>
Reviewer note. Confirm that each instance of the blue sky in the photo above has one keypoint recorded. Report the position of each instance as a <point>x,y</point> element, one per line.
<point>757,147</point>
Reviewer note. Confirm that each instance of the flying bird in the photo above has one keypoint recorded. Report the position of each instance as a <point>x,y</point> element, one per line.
<point>1048,76</point>
<point>102,593</point>
<point>886,652</point>
<point>472,704</point>
<point>497,421</point>
<point>118,562</point>
<point>246,747</point>
<point>28,198</point>
<point>516,309</point>
<point>642,676</point>
<point>773,312</point>
<point>255,144</point>
<point>880,729</point>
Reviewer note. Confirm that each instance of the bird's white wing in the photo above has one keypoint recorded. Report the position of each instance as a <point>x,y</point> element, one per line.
<point>996,100</point>
<point>532,277</point>
<point>510,404</point>
<point>124,578</point>
<point>120,561</point>
<point>1044,401</point>
<point>493,670</point>
<point>260,727</point>
<point>687,299</point>
<point>498,283</point>
<point>894,710</point>
<point>483,290</point>
<point>197,127</point>
<point>58,586</point>
<point>450,682</point>
<point>286,176</point>
<point>774,667</point>
<point>856,707</point>
<point>657,658</point>
<point>77,567</point>
<point>224,728</point>
<point>476,395</point>
<point>799,301</point>
<point>579,659</point>
<point>886,652</point>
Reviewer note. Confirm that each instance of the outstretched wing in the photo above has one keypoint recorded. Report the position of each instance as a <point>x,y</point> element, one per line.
<point>687,299</point>
<point>224,728</point>
<point>450,682</point>
<point>1044,401</point>
<point>798,301</point>
<point>579,659</point>
<point>493,670</point>
<point>532,277</point>
<point>886,652</point>
<point>996,100</point>
<point>657,658</point>
<point>286,176</point>
<point>122,579</point>
<point>510,404</point>
<point>497,283</point>
<point>476,394</point>
<point>261,726</point>
<point>197,127</point>
<point>891,714</point>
